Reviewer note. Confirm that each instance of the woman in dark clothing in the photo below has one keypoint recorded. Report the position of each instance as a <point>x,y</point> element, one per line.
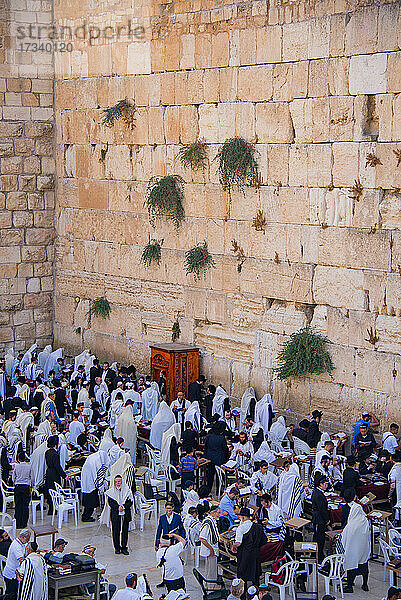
<point>54,472</point>
<point>216,450</point>
<point>120,500</point>
<point>23,480</point>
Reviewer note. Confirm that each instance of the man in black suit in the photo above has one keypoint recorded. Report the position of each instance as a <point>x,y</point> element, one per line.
<point>320,514</point>
<point>195,388</point>
<point>301,432</point>
<point>314,434</point>
<point>109,376</point>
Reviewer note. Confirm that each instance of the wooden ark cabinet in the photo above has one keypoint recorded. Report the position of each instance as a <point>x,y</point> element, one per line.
<point>180,362</point>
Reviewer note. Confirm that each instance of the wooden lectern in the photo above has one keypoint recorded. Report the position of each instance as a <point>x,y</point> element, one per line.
<point>179,362</point>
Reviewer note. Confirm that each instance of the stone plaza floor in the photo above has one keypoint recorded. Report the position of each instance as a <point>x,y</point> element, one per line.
<point>142,559</point>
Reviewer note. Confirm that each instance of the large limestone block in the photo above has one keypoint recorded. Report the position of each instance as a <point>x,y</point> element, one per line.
<point>241,374</point>
<point>355,248</point>
<point>319,165</point>
<point>387,173</point>
<point>295,41</point>
<point>216,308</point>
<point>218,340</point>
<point>283,319</point>
<point>345,163</point>
<point>368,74</point>
<point>273,122</point>
<point>187,57</point>
<point>266,348</point>
<point>361,31</point>
<point>255,84</point>
<point>319,37</point>
<point>337,286</point>
<point>244,312</point>
<point>138,58</point>
<point>375,284</point>
<point>118,163</point>
<point>268,44</point>
<point>374,371</point>
<point>301,114</point>
<point>282,281</point>
<point>393,294</point>
<point>388,331</point>
<point>341,118</point>
<point>208,123</point>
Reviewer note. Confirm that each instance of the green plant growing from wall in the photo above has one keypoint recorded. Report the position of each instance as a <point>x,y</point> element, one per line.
<point>175,331</point>
<point>152,253</point>
<point>303,354</point>
<point>124,109</point>
<point>99,308</point>
<point>198,260</point>
<point>237,165</point>
<point>239,254</point>
<point>165,197</point>
<point>193,155</point>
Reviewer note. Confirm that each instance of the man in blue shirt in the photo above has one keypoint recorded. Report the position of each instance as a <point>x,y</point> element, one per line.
<point>228,505</point>
<point>367,419</point>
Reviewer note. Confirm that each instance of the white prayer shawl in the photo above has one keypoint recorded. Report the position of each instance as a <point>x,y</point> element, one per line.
<point>245,402</point>
<point>43,356</point>
<point>89,364</point>
<point>22,391</point>
<point>34,583</point>
<point>81,359</point>
<point>192,499</point>
<point>155,386</point>
<point>193,415</point>
<point>83,397</point>
<point>395,477</point>
<point>132,395</point>
<point>121,467</point>
<point>262,483</point>
<point>291,494</point>
<point>115,411</point>
<point>24,420</point>
<point>9,359</point>
<point>51,361</point>
<point>119,495</point>
<point>8,427</point>
<point>63,451</point>
<point>107,441</point>
<point>218,401</point>
<point>114,454</point>
<point>264,453</point>
<point>43,432</point>
<point>263,412</point>
<point>150,404</point>
<point>160,424</point>
<point>42,388</point>
<point>38,464</point>
<point>127,429</point>
<point>278,431</point>
<point>245,462</point>
<point>94,471</point>
<point>114,393</point>
<point>173,432</point>
<point>101,395</point>
<point>26,359</point>
<point>14,440</point>
<point>355,538</point>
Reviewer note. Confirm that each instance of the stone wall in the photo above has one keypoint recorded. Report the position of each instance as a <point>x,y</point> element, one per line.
<point>27,167</point>
<point>316,85</point>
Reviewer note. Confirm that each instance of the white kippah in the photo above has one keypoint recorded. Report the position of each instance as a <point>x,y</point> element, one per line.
<point>252,590</point>
<point>236,582</point>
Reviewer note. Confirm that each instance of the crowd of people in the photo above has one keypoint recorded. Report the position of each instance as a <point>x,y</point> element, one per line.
<point>236,469</point>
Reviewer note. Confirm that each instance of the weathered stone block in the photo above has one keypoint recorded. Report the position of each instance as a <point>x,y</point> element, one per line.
<point>337,286</point>
<point>368,74</point>
<point>273,123</point>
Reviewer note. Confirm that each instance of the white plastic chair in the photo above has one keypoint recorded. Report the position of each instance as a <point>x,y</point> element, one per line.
<point>335,573</point>
<point>394,534</point>
<point>12,528</point>
<point>145,507</point>
<point>62,507</point>
<point>34,503</point>
<point>7,493</point>
<point>167,476</point>
<point>3,560</point>
<point>154,461</point>
<point>220,480</point>
<point>387,553</point>
<point>69,495</point>
<point>288,571</point>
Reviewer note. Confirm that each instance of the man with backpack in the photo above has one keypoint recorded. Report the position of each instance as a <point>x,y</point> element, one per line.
<point>168,558</point>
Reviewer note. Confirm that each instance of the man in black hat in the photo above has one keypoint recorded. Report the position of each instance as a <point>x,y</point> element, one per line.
<point>314,434</point>
<point>301,432</point>
<point>249,538</point>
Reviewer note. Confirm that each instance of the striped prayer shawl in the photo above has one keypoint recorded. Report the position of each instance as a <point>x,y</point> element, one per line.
<point>35,573</point>
<point>296,497</point>
<point>101,476</point>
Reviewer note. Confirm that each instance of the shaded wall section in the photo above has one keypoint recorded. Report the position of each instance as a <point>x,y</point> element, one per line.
<point>27,168</point>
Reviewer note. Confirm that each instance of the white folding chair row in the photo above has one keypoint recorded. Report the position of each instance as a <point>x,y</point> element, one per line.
<point>335,572</point>
<point>145,507</point>
<point>35,503</point>
<point>7,493</point>
<point>288,572</point>
<point>62,506</point>
<point>12,528</point>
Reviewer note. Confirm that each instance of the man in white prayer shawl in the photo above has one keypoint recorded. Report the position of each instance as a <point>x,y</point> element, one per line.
<point>24,420</point>
<point>116,408</point>
<point>26,359</point>
<point>44,431</point>
<point>32,572</point>
<point>247,397</point>
<point>193,415</point>
<point>130,394</point>
<point>127,429</point>
<point>291,491</point>
<point>44,355</point>
<point>93,480</point>
<point>116,451</point>
<point>278,432</point>
<point>150,403</point>
<point>394,478</point>
<point>38,464</point>
<point>101,392</point>
<point>162,421</point>
<point>8,361</point>
<point>51,361</point>
<point>83,395</point>
<point>264,453</point>
<point>173,433</point>
<point>107,440</point>
<point>219,401</point>
<point>2,383</point>
<point>262,481</point>
<point>264,412</point>
<point>355,542</point>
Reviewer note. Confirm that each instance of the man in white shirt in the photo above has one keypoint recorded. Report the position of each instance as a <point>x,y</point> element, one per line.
<point>179,407</point>
<point>33,370</point>
<point>263,481</point>
<point>230,423</point>
<point>75,429</point>
<point>209,539</point>
<point>168,557</point>
<point>130,592</point>
<point>83,395</point>
<point>101,393</point>
<point>389,440</point>
<point>15,556</point>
